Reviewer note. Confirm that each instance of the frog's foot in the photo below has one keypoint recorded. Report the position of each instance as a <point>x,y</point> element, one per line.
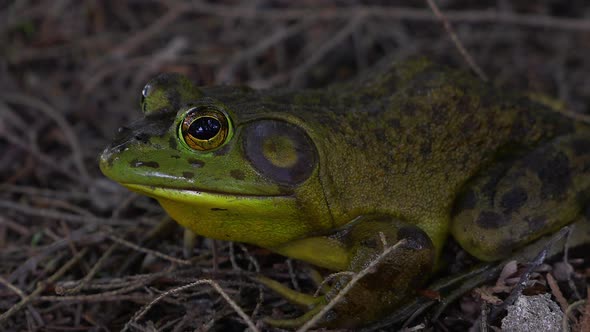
<point>313,303</point>
<point>388,261</point>
<point>162,229</point>
<point>293,323</point>
<point>293,296</point>
<point>318,280</point>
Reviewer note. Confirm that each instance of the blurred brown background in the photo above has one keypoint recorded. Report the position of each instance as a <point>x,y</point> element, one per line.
<point>71,73</point>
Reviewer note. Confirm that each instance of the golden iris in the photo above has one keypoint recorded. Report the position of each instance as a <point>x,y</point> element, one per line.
<point>204,128</point>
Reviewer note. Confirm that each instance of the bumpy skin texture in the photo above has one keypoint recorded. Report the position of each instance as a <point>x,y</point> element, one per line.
<point>414,152</point>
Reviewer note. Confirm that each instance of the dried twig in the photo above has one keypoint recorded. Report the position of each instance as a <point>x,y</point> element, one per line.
<point>210,282</point>
<point>585,320</point>
<point>42,285</point>
<point>556,292</point>
<point>52,214</point>
<point>404,13</point>
<point>226,73</point>
<point>466,55</point>
<point>13,288</point>
<point>149,251</point>
<point>524,278</point>
<point>56,116</point>
<point>317,55</point>
<point>97,266</point>
<point>569,314</point>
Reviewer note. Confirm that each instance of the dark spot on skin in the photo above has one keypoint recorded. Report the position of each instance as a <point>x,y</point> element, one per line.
<point>583,198</point>
<point>439,114</point>
<point>553,169</point>
<point>464,162</point>
<point>505,247</point>
<point>172,143</point>
<point>369,243</point>
<point>142,137</point>
<point>417,238</point>
<point>237,174</point>
<point>491,220</point>
<point>463,104</point>
<point>196,163</point>
<point>188,175</point>
<point>536,223</point>
<point>394,123</point>
<point>522,126</point>
<point>380,134</point>
<point>138,163</point>
<point>424,132</point>
<point>218,209</point>
<point>425,150</point>
<point>495,175</point>
<point>513,200</point>
<point>174,98</point>
<point>409,110</point>
<point>221,151</point>
<point>470,125</point>
<point>581,146</point>
<point>466,201</point>
<point>153,124</point>
<point>175,156</point>
<point>386,163</point>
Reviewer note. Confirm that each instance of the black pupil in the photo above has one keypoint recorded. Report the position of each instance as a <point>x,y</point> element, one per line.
<point>204,128</point>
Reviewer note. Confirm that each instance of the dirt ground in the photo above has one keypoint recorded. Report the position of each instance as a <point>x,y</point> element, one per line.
<point>74,250</point>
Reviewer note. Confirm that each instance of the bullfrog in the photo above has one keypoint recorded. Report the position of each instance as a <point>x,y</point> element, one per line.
<point>411,155</point>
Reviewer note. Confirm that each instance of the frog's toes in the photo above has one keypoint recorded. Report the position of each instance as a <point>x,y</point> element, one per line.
<point>313,303</point>
<point>317,278</point>
<point>292,323</point>
<point>289,294</point>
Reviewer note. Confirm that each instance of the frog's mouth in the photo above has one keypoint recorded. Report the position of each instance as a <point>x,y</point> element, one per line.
<point>197,197</point>
<point>267,221</point>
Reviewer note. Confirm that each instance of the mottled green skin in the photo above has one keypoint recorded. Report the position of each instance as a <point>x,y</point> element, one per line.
<point>414,152</point>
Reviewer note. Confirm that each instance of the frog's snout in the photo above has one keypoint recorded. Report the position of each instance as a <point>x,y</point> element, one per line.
<point>105,161</point>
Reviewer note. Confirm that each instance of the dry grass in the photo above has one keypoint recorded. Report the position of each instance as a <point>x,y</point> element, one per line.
<point>73,250</point>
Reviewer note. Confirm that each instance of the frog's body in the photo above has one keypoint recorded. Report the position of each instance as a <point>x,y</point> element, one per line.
<point>326,175</point>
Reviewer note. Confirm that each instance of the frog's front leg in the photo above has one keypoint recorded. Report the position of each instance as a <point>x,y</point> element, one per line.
<point>395,278</point>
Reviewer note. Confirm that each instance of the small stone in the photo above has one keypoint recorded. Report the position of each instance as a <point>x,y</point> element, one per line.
<point>533,314</point>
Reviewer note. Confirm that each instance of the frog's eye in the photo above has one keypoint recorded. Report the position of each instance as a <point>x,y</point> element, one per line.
<point>204,128</point>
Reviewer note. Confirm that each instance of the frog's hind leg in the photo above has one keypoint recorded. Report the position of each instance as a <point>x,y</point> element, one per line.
<point>516,203</point>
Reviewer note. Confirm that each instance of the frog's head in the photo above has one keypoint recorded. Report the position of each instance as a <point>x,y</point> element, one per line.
<point>248,176</point>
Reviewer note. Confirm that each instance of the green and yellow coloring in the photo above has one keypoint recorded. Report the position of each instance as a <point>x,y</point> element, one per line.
<point>415,152</point>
